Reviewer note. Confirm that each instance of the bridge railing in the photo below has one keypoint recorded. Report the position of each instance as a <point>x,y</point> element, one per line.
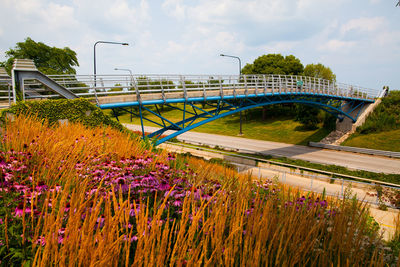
<point>6,92</point>
<point>108,85</point>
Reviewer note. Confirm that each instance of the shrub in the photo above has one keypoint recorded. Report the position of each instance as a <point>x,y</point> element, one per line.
<point>77,111</point>
<point>385,117</point>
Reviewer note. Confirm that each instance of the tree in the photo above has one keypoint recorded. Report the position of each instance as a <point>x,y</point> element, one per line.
<point>275,64</point>
<point>310,116</point>
<point>49,60</point>
<point>319,71</point>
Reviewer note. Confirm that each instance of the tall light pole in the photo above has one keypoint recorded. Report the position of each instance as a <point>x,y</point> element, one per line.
<point>240,74</point>
<point>94,55</point>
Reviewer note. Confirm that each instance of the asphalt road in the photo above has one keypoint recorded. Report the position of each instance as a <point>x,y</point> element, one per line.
<point>317,155</point>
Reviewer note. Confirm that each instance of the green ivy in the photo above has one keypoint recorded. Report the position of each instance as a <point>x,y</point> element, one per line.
<point>75,111</point>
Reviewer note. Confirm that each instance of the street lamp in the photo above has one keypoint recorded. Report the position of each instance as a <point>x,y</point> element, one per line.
<point>94,55</point>
<point>130,72</point>
<point>125,70</point>
<point>240,74</point>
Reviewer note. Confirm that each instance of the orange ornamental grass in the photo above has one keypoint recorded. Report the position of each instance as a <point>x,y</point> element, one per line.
<point>221,218</point>
<point>61,148</point>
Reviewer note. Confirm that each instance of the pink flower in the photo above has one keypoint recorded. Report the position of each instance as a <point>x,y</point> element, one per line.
<point>19,210</point>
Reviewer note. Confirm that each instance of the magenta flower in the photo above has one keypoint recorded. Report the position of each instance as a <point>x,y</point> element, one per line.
<point>19,210</point>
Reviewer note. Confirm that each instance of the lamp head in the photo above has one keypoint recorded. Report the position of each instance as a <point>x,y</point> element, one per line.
<point>125,44</point>
<point>222,55</point>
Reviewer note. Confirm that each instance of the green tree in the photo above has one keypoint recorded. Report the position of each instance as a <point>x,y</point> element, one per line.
<point>319,71</point>
<point>49,60</point>
<point>310,116</point>
<point>275,64</point>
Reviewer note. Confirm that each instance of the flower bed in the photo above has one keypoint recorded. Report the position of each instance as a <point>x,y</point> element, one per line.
<point>76,196</point>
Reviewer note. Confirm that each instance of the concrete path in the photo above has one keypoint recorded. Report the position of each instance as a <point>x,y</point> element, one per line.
<point>317,155</point>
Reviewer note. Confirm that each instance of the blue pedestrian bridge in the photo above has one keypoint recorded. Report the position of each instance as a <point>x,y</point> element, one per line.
<point>201,98</point>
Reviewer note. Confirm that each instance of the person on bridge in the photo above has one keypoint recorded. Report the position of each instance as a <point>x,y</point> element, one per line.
<point>299,84</point>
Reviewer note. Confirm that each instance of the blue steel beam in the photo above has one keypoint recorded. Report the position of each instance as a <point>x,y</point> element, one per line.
<point>227,105</point>
<point>221,115</point>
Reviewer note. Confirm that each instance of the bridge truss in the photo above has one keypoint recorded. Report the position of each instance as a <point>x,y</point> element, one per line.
<point>194,116</point>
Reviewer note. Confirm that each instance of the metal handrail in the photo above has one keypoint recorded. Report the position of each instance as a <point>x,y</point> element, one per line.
<point>155,83</point>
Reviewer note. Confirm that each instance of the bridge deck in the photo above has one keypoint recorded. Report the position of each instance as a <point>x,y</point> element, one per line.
<point>115,101</point>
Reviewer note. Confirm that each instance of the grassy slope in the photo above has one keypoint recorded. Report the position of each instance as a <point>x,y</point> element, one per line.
<point>280,128</point>
<point>381,130</point>
<point>388,140</point>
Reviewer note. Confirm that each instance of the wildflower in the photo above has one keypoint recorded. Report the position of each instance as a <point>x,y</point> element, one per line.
<point>61,233</point>
<point>177,202</point>
<point>41,241</point>
<point>164,186</point>
<point>67,207</point>
<point>100,221</point>
<point>19,210</point>
<point>41,187</point>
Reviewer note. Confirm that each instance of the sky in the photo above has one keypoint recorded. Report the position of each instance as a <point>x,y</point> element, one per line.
<point>358,39</point>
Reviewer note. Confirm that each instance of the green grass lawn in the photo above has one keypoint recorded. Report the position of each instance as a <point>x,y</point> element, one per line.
<point>279,129</point>
<point>388,140</point>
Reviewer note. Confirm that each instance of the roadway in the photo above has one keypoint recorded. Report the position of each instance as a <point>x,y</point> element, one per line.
<point>317,155</point>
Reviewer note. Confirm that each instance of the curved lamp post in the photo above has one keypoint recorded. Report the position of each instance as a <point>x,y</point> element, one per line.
<point>240,74</point>
<point>125,70</point>
<point>94,55</point>
<point>130,72</point>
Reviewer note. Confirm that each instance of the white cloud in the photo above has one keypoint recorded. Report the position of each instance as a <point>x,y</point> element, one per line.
<point>174,8</point>
<point>364,24</point>
<point>281,47</point>
<point>59,17</point>
<point>187,36</point>
<point>337,45</point>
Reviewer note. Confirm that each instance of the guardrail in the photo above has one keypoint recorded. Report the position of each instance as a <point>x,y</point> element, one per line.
<point>6,93</point>
<point>108,85</point>
<point>357,150</point>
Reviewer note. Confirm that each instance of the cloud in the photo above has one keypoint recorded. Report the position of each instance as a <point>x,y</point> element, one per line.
<point>337,45</point>
<point>174,8</point>
<point>178,36</point>
<point>363,24</point>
